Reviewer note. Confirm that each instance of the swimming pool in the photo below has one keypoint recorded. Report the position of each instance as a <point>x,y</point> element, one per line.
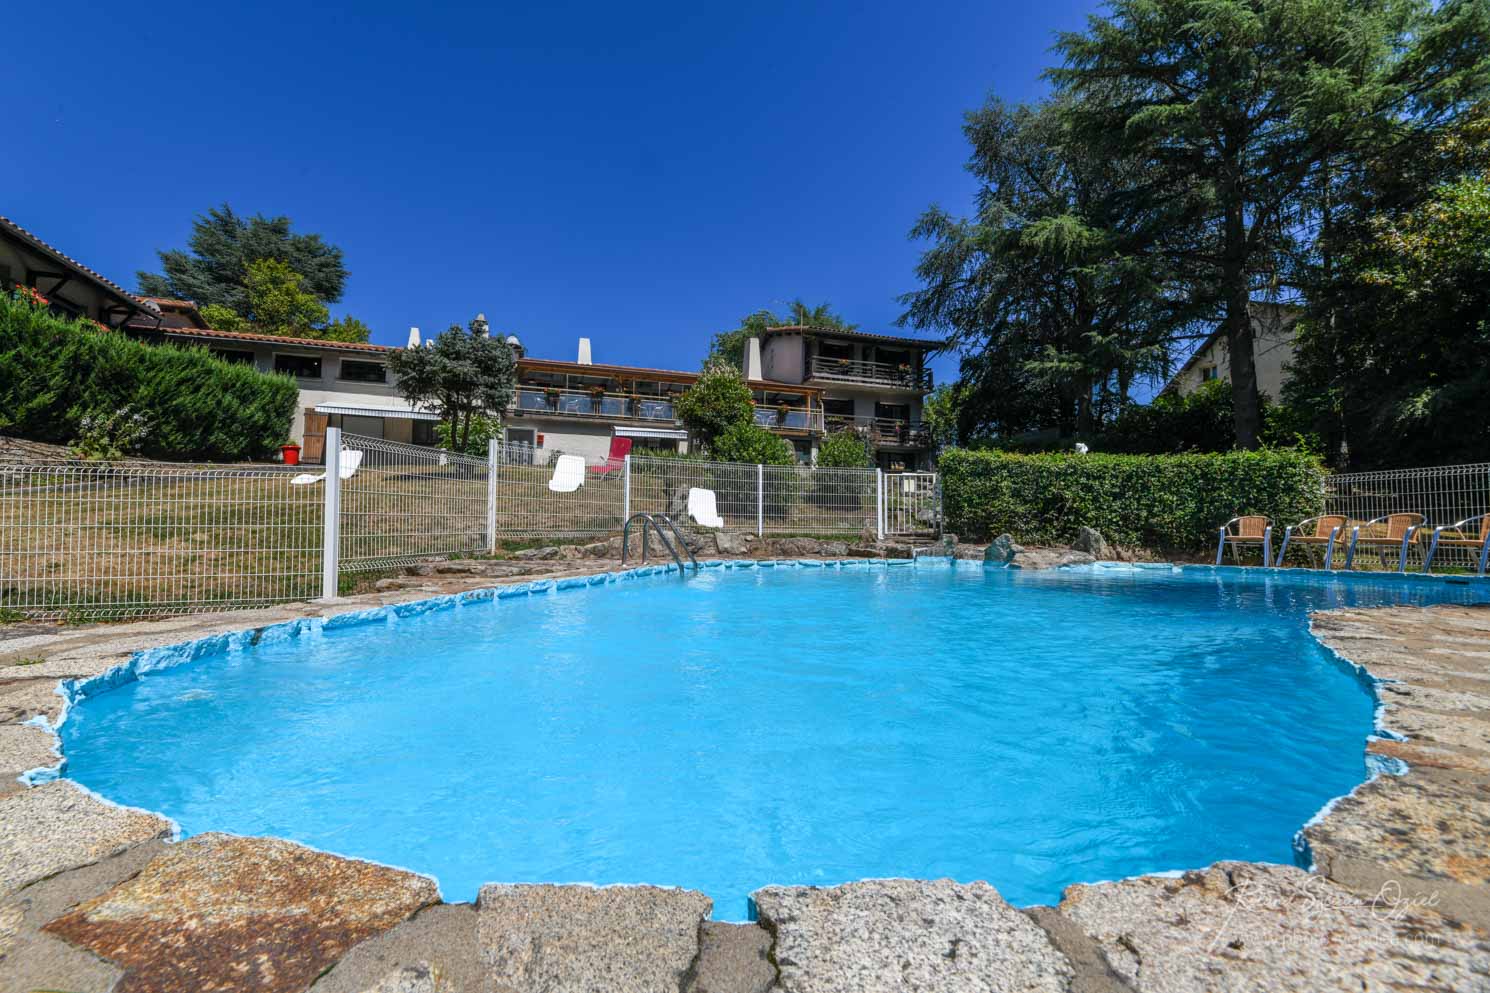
<point>756,725</point>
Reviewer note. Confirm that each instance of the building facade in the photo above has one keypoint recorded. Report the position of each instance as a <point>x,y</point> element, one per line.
<point>71,288</point>
<point>1272,353</point>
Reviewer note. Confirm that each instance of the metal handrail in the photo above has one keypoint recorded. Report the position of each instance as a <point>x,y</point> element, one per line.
<point>1459,526</point>
<point>651,520</point>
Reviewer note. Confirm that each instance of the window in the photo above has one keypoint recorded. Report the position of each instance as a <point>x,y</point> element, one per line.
<point>835,349</point>
<point>301,366</point>
<point>424,433</point>
<point>893,411</point>
<point>367,427</point>
<point>364,372</point>
<point>235,355</point>
<point>1207,373</point>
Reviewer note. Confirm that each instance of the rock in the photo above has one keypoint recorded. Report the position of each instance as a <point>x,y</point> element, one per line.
<point>907,936</point>
<point>57,826</point>
<point>434,950</point>
<point>219,912</point>
<point>1049,558</point>
<point>1242,926</point>
<point>797,548</point>
<point>1002,551</point>
<point>384,585</point>
<point>1091,541</point>
<point>833,549</point>
<point>732,958</point>
<point>733,542</point>
<point>570,553</point>
<point>869,536</point>
<point>620,939</point>
<point>418,978</point>
<point>538,554</point>
<point>897,551</point>
<point>24,747</point>
<point>609,549</point>
<point>1428,838</point>
<point>25,698</point>
<point>457,567</point>
<point>865,551</point>
<point>970,553</point>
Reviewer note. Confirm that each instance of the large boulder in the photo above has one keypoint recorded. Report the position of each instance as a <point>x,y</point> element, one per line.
<point>1050,558</point>
<point>1090,540</point>
<point>1002,551</point>
<point>797,548</point>
<point>733,542</point>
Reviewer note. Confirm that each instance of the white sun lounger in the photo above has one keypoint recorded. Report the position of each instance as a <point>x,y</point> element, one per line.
<point>351,461</point>
<point>569,474</point>
<point>703,509</point>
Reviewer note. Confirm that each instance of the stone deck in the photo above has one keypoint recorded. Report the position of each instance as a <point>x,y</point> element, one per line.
<point>97,898</point>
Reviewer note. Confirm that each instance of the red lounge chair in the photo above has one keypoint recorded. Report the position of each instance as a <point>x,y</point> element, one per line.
<point>619,449</point>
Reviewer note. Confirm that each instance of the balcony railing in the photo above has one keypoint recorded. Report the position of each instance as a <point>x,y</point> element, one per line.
<point>869,373</point>
<point>575,403</point>
<point>792,418</point>
<point>885,432</point>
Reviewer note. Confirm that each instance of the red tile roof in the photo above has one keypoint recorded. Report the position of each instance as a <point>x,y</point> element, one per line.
<point>22,234</point>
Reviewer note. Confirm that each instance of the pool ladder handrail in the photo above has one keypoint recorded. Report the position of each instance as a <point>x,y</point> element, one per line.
<point>655,521</point>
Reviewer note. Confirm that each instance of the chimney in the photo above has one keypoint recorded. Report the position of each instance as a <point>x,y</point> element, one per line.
<point>481,324</point>
<point>413,337</point>
<point>584,352</point>
<point>753,359</point>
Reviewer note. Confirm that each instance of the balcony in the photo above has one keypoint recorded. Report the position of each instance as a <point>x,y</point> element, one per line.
<point>884,432</point>
<point>789,418</point>
<point>603,406</point>
<point>857,373</point>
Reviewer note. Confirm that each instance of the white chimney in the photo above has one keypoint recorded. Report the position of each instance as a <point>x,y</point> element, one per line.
<point>753,359</point>
<point>584,352</point>
<point>485,328</point>
<point>413,337</point>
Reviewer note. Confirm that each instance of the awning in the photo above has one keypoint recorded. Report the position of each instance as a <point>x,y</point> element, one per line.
<point>677,433</point>
<point>407,413</point>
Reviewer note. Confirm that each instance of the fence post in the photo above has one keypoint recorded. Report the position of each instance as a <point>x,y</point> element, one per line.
<point>491,496</point>
<point>331,516</point>
<point>760,499</point>
<point>879,502</point>
<point>626,490</point>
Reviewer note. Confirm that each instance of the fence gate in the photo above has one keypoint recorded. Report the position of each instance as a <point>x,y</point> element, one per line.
<point>912,503</point>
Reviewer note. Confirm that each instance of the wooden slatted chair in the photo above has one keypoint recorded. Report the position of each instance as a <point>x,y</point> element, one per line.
<point>1249,529</point>
<point>1398,531</point>
<point>1324,530</point>
<point>1455,536</point>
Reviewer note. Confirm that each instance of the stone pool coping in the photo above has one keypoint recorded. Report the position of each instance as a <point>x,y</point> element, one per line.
<point>94,896</point>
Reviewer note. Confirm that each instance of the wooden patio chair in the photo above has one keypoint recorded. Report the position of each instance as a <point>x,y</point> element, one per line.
<point>1249,529</point>
<point>1398,531</point>
<point>1323,530</point>
<point>1455,536</point>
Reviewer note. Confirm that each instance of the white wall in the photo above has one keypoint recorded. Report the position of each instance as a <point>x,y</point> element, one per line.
<point>1272,353</point>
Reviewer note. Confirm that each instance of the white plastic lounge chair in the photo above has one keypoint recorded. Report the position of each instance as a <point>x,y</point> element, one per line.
<point>703,509</point>
<point>351,461</point>
<point>569,474</point>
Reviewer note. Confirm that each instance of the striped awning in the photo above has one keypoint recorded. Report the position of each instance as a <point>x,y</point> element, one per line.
<point>677,433</point>
<point>407,413</point>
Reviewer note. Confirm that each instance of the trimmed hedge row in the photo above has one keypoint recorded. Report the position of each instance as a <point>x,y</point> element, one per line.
<point>54,372</point>
<point>1167,502</point>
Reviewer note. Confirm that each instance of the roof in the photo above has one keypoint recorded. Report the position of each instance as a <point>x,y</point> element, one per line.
<point>21,234</point>
<point>251,336</point>
<point>931,344</point>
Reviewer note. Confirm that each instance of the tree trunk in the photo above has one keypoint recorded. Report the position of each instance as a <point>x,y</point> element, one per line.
<point>1084,422</point>
<point>1246,407</point>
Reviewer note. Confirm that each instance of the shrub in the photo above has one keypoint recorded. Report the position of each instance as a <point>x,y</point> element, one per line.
<point>1201,421</point>
<point>717,401</point>
<point>1169,502</point>
<point>752,444</point>
<point>55,374</point>
<point>845,449</point>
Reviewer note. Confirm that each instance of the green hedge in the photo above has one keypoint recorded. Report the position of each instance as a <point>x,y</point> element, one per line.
<point>1166,502</point>
<point>54,372</point>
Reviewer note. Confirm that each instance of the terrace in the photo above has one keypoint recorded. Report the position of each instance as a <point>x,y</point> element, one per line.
<point>888,375</point>
<point>883,432</point>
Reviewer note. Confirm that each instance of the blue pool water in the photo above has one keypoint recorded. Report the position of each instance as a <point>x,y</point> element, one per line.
<point>760,726</point>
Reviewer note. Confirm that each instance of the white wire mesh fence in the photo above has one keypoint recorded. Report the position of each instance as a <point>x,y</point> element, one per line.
<point>1443,495</point>
<point>93,540</point>
<point>84,540</point>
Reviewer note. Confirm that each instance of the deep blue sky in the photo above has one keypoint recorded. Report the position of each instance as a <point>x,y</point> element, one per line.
<point>640,174</point>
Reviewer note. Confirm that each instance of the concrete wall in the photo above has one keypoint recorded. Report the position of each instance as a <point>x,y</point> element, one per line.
<point>781,358</point>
